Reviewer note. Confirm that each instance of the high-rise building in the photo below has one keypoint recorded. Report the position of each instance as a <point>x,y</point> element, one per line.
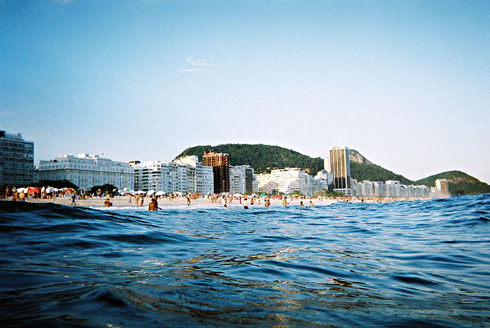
<point>16,160</point>
<point>221,170</point>
<point>340,168</point>
<point>185,175</point>
<point>87,171</point>
<point>242,179</point>
<point>200,177</point>
<point>442,187</point>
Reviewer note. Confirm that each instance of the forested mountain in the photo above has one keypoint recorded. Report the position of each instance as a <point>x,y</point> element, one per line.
<point>460,183</point>
<point>264,158</point>
<point>373,172</point>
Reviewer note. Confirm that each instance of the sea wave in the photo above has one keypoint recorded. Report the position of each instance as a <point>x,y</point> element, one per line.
<point>422,263</point>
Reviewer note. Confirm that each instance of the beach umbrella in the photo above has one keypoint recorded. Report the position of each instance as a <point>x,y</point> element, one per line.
<point>237,195</point>
<point>262,195</point>
<point>139,192</point>
<point>151,192</point>
<point>159,193</point>
<point>22,190</point>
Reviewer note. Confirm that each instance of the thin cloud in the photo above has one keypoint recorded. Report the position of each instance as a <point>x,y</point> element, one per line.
<point>196,66</point>
<point>199,62</point>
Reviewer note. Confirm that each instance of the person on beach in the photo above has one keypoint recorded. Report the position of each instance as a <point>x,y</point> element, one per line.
<point>22,196</point>
<point>107,203</point>
<point>15,195</point>
<point>142,200</point>
<point>301,204</point>
<point>226,206</point>
<point>188,201</point>
<point>284,202</point>
<point>245,203</point>
<point>7,192</point>
<point>311,203</point>
<point>153,206</point>
<point>73,197</point>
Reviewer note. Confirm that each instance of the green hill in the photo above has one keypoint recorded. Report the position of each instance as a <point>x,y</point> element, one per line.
<point>373,172</point>
<point>263,158</point>
<point>460,183</point>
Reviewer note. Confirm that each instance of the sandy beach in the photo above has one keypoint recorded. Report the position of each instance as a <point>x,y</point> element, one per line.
<point>124,202</point>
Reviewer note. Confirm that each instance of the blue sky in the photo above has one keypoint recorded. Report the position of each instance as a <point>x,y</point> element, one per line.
<point>406,83</point>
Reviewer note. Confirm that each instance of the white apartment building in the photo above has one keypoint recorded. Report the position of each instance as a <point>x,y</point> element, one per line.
<point>242,180</point>
<point>87,171</point>
<point>200,178</point>
<point>185,175</point>
<point>286,181</point>
<point>323,179</point>
<point>388,189</point>
<point>266,184</point>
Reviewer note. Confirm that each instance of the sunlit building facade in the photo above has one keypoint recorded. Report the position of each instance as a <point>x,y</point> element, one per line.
<point>340,169</point>
<point>221,170</point>
<point>87,171</point>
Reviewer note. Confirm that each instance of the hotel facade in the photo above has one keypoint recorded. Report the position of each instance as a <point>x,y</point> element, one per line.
<point>87,171</point>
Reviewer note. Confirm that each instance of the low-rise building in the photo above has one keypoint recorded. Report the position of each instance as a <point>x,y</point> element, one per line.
<point>388,189</point>
<point>87,171</point>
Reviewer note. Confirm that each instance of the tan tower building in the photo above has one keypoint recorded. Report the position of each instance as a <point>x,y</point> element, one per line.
<point>340,168</point>
<point>221,170</point>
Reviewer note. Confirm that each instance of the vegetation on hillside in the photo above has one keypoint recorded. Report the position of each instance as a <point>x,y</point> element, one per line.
<point>262,158</point>
<point>375,172</point>
<point>460,183</point>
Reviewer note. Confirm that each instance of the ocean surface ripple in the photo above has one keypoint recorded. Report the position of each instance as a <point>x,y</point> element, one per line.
<point>400,264</point>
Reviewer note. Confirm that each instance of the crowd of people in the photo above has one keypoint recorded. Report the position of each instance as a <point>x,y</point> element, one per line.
<point>245,201</point>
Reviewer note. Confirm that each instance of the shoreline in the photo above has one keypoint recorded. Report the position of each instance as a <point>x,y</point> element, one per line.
<point>124,202</point>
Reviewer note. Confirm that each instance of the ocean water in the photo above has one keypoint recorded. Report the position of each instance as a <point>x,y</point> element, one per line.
<point>402,264</point>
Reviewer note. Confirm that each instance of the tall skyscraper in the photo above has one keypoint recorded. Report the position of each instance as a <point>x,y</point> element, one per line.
<point>442,187</point>
<point>16,160</point>
<point>340,168</point>
<point>221,170</point>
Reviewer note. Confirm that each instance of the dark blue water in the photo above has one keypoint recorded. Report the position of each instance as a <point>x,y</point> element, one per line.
<point>404,264</point>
